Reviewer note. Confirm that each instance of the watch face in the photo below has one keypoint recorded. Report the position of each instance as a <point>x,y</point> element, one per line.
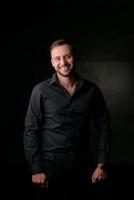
<point>101,165</point>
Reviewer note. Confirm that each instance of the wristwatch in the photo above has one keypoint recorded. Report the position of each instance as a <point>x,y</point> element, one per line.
<point>100,165</point>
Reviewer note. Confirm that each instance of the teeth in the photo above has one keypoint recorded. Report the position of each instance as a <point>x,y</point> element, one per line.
<point>65,68</point>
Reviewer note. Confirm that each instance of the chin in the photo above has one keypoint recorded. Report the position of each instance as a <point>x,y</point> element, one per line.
<point>65,74</point>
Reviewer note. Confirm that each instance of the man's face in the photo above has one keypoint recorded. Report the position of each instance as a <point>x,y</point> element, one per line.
<point>62,60</point>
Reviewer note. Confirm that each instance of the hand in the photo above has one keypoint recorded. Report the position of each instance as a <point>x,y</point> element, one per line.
<point>98,175</point>
<point>40,179</point>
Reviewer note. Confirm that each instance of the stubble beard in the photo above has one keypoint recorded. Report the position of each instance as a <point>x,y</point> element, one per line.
<point>70,73</point>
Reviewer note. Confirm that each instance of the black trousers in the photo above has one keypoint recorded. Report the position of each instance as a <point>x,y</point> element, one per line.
<point>68,176</point>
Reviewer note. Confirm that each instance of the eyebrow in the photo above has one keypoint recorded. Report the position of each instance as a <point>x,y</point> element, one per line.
<point>64,55</point>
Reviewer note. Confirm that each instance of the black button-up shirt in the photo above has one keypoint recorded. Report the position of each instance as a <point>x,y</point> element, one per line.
<point>57,121</point>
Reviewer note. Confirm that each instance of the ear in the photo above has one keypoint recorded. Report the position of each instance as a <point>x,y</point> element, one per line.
<point>52,62</point>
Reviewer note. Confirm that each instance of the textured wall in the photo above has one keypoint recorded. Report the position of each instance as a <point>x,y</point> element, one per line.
<point>104,39</point>
<point>116,82</point>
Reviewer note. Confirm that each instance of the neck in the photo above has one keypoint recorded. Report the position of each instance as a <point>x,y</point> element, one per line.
<point>68,81</point>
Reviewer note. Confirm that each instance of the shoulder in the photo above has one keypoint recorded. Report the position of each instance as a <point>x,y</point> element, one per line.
<point>40,87</point>
<point>90,84</point>
<point>92,87</point>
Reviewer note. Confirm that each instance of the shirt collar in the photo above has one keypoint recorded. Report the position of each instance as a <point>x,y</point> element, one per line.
<point>53,80</point>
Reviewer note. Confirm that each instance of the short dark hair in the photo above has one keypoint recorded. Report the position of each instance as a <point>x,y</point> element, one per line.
<point>60,42</point>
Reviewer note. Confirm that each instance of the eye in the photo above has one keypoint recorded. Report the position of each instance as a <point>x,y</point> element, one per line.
<point>57,58</point>
<point>68,56</point>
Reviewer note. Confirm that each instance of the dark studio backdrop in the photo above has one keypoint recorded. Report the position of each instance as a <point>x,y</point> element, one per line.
<point>103,36</point>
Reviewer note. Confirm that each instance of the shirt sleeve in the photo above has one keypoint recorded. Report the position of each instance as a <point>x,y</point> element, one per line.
<point>102,123</point>
<point>32,132</point>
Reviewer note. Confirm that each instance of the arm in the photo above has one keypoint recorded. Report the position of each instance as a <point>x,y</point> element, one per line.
<point>32,136</point>
<point>102,123</point>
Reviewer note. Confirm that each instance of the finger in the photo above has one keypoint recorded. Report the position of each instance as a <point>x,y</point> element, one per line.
<point>94,179</point>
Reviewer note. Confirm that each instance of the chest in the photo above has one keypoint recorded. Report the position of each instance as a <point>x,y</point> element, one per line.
<point>67,102</point>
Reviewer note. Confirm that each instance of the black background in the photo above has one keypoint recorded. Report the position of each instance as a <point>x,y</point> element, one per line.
<point>102,33</point>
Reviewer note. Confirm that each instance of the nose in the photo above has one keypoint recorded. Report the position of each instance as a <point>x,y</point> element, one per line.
<point>63,61</point>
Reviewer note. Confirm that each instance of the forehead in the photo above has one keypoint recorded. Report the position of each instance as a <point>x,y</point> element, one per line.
<point>61,50</point>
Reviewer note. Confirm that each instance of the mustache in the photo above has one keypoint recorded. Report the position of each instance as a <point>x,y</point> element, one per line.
<point>65,65</point>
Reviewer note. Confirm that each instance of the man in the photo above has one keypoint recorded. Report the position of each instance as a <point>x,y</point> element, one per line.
<point>57,128</point>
